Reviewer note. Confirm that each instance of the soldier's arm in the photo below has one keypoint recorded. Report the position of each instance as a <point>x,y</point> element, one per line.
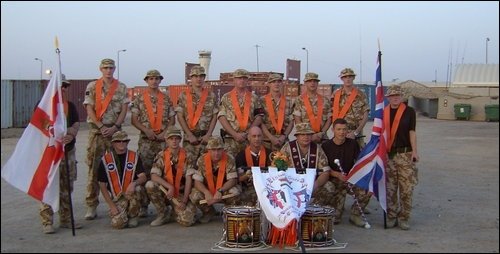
<point>107,198</point>
<point>91,113</point>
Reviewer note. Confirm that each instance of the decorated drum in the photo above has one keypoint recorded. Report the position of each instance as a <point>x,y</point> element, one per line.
<point>242,224</point>
<point>317,226</point>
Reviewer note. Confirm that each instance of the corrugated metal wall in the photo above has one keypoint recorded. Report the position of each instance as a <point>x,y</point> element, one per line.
<point>27,93</point>
<point>76,94</point>
<point>7,103</point>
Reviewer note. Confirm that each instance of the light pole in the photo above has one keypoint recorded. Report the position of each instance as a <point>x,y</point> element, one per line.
<point>257,48</point>
<point>487,40</point>
<point>118,62</point>
<point>307,59</point>
<point>41,67</point>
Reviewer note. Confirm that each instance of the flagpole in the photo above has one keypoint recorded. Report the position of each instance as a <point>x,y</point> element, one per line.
<point>66,156</point>
<point>380,63</point>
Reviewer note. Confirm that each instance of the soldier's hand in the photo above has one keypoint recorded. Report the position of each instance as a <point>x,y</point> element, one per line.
<point>192,139</point>
<point>113,210</point>
<point>275,141</point>
<point>240,137</point>
<point>150,134</point>
<point>204,139</point>
<point>351,135</point>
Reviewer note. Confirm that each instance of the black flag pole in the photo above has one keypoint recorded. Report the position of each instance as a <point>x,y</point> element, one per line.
<point>380,63</point>
<point>66,156</point>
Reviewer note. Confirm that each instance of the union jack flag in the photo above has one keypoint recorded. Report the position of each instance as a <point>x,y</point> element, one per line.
<point>369,170</point>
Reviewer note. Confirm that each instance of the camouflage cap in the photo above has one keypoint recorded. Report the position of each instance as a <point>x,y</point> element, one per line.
<point>311,76</point>
<point>120,136</point>
<point>64,80</point>
<point>173,131</point>
<point>153,73</point>
<point>197,71</point>
<point>303,128</point>
<point>346,72</point>
<point>241,73</point>
<point>394,90</point>
<point>215,142</point>
<point>107,63</point>
<point>274,77</point>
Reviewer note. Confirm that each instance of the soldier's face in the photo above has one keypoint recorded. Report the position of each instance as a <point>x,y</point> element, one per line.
<point>304,139</point>
<point>348,80</point>
<point>107,72</point>
<point>216,154</point>
<point>339,131</point>
<point>394,100</point>
<point>198,80</point>
<point>311,85</point>
<point>153,82</point>
<point>255,137</point>
<point>276,85</point>
<point>240,82</point>
<point>174,142</point>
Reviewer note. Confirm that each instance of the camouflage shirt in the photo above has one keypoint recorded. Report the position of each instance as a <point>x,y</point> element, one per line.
<point>115,106</point>
<point>209,111</point>
<point>200,173</point>
<point>358,108</point>
<point>321,163</point>
<point>159,166</point>
<point>139,107</point>
<point>226,109</point>
<point>300,109</point>
<point>288,113</point>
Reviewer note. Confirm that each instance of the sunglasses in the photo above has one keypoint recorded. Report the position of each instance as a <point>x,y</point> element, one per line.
<point>154,78</point>
<point>121,141</point>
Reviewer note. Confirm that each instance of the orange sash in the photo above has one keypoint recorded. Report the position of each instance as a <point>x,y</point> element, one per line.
<point>194,117</point>
<point>117,185</point>
<point>387,123</point>
<point>100,105</point>
<point>210,174</point>
<point>242,119</point>
<point>272,115</point>
<point>315,120</point>
<point>154,121</point>
<point>337,113</point>
<point>179,167</point>
<point>262,157</point>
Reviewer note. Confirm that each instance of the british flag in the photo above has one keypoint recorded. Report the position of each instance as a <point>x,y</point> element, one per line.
<point>369,170</point>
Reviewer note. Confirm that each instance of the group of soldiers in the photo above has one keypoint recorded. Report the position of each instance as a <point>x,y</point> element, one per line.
<point>182,171</point>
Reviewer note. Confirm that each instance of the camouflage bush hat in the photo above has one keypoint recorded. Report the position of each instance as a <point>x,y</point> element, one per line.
<point>394,90</point>
<point>197,71</point>
<point>64,80</point>
<point>153,73</point>
<point>120,136</point>
<point>347,72</point>
<point>107,63</point>
<point>241,73</point>
<point>311,76</point>
<point>303,128</point>
<point>173,131</point>
<point>274,77</point>
<point>215,142</point>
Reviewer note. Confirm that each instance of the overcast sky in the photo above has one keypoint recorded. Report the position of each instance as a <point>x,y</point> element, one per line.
<point>417,38</point>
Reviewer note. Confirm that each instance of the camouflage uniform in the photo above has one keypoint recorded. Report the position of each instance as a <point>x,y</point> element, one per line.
<point>299,108</point>
<point>267,121</point>
<point>129,208</point>
<point>200,175</point>
<point>159,199</point>
<point>402,175</point>
<point>46,212</point>
<point>209,111</point>
<point>226,109</point>
<point>97,144</point>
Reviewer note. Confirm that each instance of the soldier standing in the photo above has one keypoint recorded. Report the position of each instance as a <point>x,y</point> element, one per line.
<point>239,109</point>
<point>197,115</point>
<point>106,103</point>
<point>277,122</point>
<point>152,112</point>
<point>313,108</point>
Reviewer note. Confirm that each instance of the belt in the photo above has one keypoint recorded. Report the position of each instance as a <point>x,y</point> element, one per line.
<point>397,150</point>
<point>200,133</point>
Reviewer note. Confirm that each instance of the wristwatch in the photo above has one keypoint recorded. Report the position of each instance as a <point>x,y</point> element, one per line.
<point>220,190</point>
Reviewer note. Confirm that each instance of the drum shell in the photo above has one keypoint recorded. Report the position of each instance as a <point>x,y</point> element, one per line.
<point>317,224</point>
<point>240,224</point>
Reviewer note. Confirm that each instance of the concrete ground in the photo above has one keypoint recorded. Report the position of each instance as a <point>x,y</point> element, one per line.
<point>456,205</point>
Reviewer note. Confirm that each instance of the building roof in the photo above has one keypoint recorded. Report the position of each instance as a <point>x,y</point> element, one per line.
<point>476,75</point>
<point>415,89</point>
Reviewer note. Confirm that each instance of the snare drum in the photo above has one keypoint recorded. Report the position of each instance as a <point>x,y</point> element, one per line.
<point>242,224</point>
<point>317,226</point>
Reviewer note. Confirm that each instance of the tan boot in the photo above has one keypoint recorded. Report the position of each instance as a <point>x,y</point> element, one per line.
<point>161,219</point>
<point>390,223</point>
<point>133,222</point>
<point>48,229</point>
<point>404,225</point>
<point>357,220</point>
<point>91,213</point>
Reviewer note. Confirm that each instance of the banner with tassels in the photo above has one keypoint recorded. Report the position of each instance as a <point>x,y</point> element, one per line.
<point>283,196</point>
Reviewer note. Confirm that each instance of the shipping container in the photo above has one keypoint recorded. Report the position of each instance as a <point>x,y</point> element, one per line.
<point>7,103</point>
<point>76,94</point>
<point>26,95</point>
